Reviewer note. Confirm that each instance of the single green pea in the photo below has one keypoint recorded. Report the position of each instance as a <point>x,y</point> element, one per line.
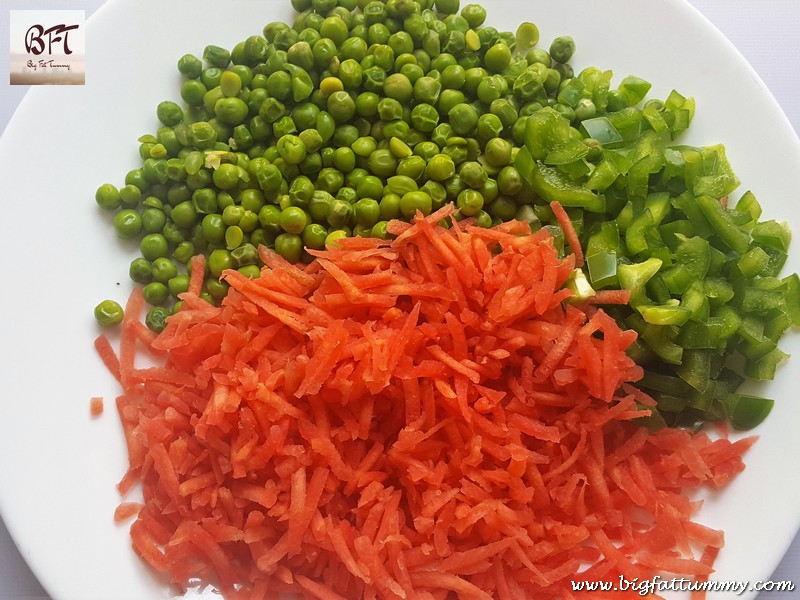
<point>184,251</point>
<point>217,56</point>
<point>473,174</point>
<point>440,168</point>
<point>169,113</point>
<point>562,48</point>
<point>156,319</point>
<point>344,159</point>
<point>141,270</point>
<point>190,65</point>
<point>339,213</point>
<point>424,117</point>
<point>130,195</point>
<point>153,220</point>
<point>245,254</point>
<point>366,212</point>
<point>497,152</point>
<point>314,236</point>
<point>382,162</point>
<point>399,87</point>
<point>329,180</point>
<point>217,288</point>
<point>469,202</point>
<point>107,197</point>
<point>509,181</point>
<point>289,246</point>
<point>389,207</point>
<point>231,111</point>
<point>213,228</point>
<point>412,202</point>
<point>412,166</point>
<point>293,220</point>
<point>234,236</point>
<point>341,107</point>
<point>183,214</point>
<point>334,236</point>
<point>219,260</point>
<point>463,118</point>
<point>155,293</point>
<point>369,186</point>
<point>109,313</point>
<point>502,208</point>
<point>163,269</point>
<point>127,223</point>
<point>153,245</point>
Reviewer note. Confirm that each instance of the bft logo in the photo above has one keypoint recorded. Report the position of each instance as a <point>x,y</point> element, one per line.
<point>36,36</point>
<point>47,47</point>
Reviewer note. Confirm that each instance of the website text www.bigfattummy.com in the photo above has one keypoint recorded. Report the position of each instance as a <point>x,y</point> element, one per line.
<point>658,584</point>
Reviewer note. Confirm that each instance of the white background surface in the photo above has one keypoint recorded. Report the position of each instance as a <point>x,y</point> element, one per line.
<point>766,32</point>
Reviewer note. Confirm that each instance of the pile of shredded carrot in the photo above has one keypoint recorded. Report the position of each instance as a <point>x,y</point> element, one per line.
<point>422,418</point>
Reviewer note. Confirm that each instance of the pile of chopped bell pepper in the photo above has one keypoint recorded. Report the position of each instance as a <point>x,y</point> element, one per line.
<point>706,293</point>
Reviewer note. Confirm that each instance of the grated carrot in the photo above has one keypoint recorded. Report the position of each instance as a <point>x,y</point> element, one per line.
<point>416,418</point>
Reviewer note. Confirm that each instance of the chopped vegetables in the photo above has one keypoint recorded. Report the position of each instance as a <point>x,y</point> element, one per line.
<point>406,418</point>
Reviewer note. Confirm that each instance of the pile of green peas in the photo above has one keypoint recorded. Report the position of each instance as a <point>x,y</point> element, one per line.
<point>360,112</point>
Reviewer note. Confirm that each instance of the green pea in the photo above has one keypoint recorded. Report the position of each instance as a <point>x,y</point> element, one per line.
<point>334,236</point>
<point>250,271</point>
<point>245,254</point>
<point>473,174</point>
<point>107,196</point>
<point>155,293</point>
<point>213,228</point>
<point>314,236</point>
<point>127,224</point>
<point>183,215</point>
<point>498,152</point>
<point>382,162</point>
<point>153,245</point>
<point>399,87</point>
<point>509,181</point>
<point>269,218</point>
<point>562,48</point>
<point>424,117</point>
<point>184,252</point>
<point>163,269</point>
<point>219,260</point>
<point>289,246</point>
<point>412,202</point>
<point>217,288</point>
<point>389,207</point>
<point>341,106</point>
<point>344,159</point>
<point>469,202</point>
<point>366,212</point>
<point>293,220</point>
<point>489,190</point>
<point>190,65</point>
<point>231,111</point>
<point>141,270</point>
<point>474,14</point>
<point>440,168</point>
<point>339,213</point>
<point>369,186</point>
<point>412,166</point>
<point>156,318</point>
<point>109,313</point>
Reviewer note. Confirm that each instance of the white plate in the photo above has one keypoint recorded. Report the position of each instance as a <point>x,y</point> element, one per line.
<point>60,256</point>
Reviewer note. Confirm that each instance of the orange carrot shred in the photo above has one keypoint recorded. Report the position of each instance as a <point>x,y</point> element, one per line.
<point>417,418</point>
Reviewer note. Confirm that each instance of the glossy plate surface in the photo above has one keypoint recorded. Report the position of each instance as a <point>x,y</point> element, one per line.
<point>59,466</point>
